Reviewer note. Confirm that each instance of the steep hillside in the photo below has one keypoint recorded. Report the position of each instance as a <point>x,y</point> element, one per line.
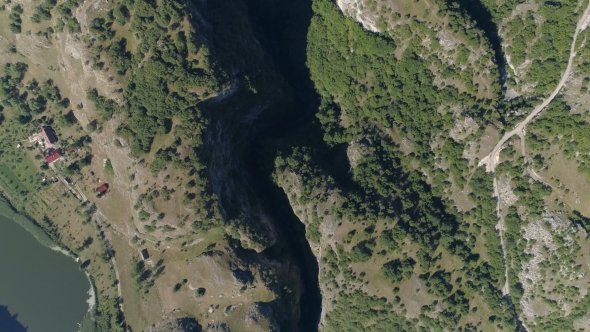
<point>158,101</point>
<point>401,219</point>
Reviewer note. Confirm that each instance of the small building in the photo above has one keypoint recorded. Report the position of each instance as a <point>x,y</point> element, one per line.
<point>102,189</point>
<point>48,134</point>
<point>53,157</point>
<point>144,254</point>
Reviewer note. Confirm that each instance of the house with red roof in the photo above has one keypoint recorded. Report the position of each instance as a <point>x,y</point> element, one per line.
<point>53,157</point>
<point>102,189</point>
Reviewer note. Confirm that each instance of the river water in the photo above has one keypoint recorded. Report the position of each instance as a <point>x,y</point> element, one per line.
<point>43,288</point>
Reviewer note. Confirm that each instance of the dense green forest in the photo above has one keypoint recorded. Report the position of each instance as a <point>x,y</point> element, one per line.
<point>545,45</point>
<point>384,186</point>
<point>375,87</point>
<point>341,53</point>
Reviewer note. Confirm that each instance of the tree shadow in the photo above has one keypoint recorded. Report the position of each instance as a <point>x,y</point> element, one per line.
<point>579,219</point>
<point>281,28</point>
<point>9,322</point>
<point>476,10</point>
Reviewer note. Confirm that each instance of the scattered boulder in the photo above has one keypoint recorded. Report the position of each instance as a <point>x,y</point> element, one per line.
<point>218,327</point>
<point>186,324</point>
<point>244,277</point>
<point>260,318</point>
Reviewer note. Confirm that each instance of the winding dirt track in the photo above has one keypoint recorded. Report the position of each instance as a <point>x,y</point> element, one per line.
<point>519,130</point>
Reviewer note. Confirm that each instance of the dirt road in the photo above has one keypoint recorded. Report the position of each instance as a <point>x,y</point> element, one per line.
<point>98,216</point>
<point>518,130</point>
<point>493,157</point>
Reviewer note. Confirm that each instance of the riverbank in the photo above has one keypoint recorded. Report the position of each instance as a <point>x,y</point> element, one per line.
<point>9,211</point>
<point>36,230</point>
<point>43,288</point>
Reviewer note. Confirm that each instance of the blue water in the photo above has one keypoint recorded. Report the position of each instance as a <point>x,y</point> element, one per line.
<point>41,290</point>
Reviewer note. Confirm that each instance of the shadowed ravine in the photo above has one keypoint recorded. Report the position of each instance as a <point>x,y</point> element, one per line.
<point>476,10</point>
<point>281,28</point>
<point>292,230</point>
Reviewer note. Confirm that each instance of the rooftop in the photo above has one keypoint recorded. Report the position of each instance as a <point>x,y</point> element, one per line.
<point>53,156</point>
<point>48,134</point>
<point>144,254</point>
<point>102,188</point>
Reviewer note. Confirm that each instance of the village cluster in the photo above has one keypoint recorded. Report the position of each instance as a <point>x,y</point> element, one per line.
<point>46,140</point>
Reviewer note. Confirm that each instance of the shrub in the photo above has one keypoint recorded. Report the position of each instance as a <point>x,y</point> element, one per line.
<point>144,215</point>
<point>363,251</point>
<point>398,270</point>
<point>200,292</point>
